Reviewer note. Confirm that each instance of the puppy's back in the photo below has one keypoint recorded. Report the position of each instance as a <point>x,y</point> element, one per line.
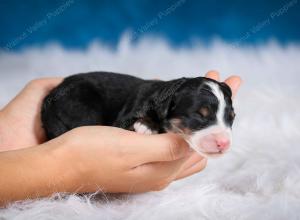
<point>86,99</point>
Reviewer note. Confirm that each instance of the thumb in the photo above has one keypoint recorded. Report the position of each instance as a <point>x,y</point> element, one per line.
<point>156,148</point>
<point>159,175</point>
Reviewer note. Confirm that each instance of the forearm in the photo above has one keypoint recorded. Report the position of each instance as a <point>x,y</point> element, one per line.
<point>33,172</point>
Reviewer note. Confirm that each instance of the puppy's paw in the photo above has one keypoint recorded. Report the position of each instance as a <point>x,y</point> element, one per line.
<point>142,129</point>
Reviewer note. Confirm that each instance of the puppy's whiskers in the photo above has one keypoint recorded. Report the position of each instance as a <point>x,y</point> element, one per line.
<point>187,139</point>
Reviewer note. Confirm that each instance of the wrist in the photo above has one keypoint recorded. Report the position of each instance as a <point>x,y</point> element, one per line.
<point>63,166</point>
<point>30,173</point>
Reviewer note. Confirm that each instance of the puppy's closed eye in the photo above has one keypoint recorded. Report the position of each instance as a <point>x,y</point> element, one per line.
<point>204,111</point>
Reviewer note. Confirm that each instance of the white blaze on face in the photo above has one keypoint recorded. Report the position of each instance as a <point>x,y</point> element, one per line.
<point>221,105</point>
<point>216,138</point>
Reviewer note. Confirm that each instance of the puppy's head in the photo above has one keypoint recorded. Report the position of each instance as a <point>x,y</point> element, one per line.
<point>201,109</point>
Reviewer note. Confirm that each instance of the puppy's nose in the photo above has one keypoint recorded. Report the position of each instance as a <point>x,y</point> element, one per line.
<point>223,144</point>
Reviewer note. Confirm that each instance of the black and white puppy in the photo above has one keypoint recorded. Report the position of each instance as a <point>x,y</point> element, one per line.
<point>200,109</point>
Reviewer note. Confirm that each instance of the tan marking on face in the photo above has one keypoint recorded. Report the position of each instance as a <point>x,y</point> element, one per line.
<point>204,111</point>
<point>176,127</point>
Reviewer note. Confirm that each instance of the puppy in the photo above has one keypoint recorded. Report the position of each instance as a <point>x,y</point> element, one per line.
<point>199,109</point>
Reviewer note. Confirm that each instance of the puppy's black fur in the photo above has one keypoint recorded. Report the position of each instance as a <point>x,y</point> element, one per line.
<point>111,99</point>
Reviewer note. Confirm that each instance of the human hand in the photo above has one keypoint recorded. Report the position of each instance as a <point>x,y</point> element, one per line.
<point>20,123</point>
<point>116,160</point>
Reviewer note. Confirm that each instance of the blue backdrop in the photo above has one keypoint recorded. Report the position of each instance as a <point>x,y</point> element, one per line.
<point>75,23</point>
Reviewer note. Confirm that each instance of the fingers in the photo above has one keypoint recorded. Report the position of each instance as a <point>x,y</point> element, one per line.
<point>197,167</point>
<point>213,75</point>
<point>154,148</point>
<point>193,159</point>
<point>158,175</point>
<point>234,82</point>
<point>44,83</point>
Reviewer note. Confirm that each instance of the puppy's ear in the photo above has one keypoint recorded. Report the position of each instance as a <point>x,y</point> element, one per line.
<point>164,99</point>
<point>164,108</point>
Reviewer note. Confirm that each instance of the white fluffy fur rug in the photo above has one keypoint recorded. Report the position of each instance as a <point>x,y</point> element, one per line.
<point>258,179</point>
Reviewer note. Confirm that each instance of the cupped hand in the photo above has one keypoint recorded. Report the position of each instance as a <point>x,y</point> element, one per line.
<point>115,160</point>
<point>91,159</point>
<point>20,123</point>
